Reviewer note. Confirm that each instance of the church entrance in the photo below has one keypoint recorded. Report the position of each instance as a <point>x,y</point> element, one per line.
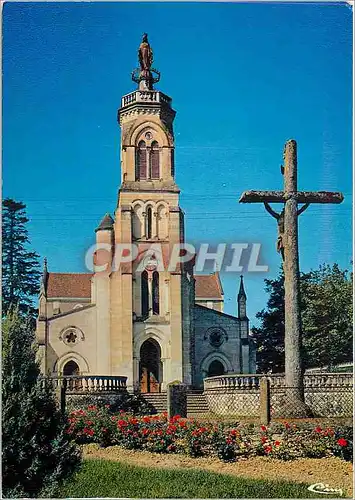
<point>215,368</point>
<point>150,367</point>
<point>71,368</point>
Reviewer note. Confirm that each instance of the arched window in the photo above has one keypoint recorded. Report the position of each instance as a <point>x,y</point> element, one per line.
<point>155,292</point>
<point>141,161</point>
<point>154,161</point>
<point>149,223</point>
<point>144,294</point>
<point>172,163</point>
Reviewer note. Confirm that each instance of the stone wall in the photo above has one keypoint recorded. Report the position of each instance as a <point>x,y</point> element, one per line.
<point>327,395</point>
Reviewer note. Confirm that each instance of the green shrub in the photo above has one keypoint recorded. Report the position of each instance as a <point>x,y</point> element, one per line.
<point>37,453</point>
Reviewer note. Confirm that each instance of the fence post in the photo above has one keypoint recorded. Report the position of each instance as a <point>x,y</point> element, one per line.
<point>264,401</point>
<point>62,394</point>
<point>177,399</point>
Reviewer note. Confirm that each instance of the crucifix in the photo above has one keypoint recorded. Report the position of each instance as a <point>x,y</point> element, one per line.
<point>287,245</point>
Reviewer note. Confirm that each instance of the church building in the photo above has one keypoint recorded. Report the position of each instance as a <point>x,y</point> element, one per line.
<point>145,321</point>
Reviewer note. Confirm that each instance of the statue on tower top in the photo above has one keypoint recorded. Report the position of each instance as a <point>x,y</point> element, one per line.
<point>145,55</point>
<point>144,75</point>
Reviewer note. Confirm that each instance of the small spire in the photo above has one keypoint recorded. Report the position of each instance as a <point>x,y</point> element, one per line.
<point>241,292</point>
<point>106,223</point>
<point>45,273</point>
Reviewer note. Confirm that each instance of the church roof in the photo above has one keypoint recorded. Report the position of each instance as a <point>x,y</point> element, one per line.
<point>106,223</point>
<point>208,286</point>
<point>78,285</point>
<point>75,285</point>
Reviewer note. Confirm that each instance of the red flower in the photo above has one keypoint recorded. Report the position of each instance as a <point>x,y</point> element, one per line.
<point>122,423</point>
<point>229,441</point>
<point>92,407</point>
<point>182,423</point>
<point>318,429</point>
<point>234,432</point>
<point>88,432</point>
<point>277,443</point>
<point>263,428</point>
<point>89,422</point>
<point>287,425</point>
<point>263,439</point>
<point>145,431</point>
<point>146,420</point>
<point>268,449</point>
<point>342,442</point>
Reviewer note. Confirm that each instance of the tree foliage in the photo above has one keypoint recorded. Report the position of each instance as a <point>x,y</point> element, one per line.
<point>20,267</point>
<point>37,453</point>
<point>326,310</point>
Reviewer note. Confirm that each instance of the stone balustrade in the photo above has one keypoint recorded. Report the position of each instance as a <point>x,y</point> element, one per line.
<point>246,382</point>
<point>89,384</point>
<point>326,394</point>
<point>144,96</point>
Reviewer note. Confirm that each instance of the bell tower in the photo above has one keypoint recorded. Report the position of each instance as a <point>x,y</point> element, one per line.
<point>148,301</point>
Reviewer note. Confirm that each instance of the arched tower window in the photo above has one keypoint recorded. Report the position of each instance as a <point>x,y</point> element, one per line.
<point>144,294</point>
<point>149,222</point>
<point>141,162</point>
<point>154,161</point>
<point>155,292</point>
<point>172,163</point>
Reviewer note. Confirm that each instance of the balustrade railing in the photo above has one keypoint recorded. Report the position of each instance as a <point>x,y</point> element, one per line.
<point>145,96</point>
<point>83,384</point>
<point>252,381</point>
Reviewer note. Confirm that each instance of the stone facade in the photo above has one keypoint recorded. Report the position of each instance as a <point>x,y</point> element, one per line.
<point>140,319</point>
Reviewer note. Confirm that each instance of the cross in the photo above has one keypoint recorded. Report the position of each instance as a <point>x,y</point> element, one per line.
<point>287,245</point>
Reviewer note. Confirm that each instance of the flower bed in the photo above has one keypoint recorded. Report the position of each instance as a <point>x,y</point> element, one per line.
<point>158,434</point>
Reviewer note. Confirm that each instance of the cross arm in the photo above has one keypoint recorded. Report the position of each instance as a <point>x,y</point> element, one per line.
<point>282,197</point>
<point>262,197</point>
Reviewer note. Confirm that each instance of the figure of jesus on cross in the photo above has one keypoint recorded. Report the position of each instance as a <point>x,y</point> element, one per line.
<point>287,245</point>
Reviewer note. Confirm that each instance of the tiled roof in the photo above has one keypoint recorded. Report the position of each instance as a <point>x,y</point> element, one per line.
<point>208,286</point>
<point>76,285</point>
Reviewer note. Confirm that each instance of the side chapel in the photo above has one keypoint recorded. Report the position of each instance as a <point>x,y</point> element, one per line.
<point>153,326</point>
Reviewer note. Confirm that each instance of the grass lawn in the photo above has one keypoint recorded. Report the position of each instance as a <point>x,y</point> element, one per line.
<point>105,478</point>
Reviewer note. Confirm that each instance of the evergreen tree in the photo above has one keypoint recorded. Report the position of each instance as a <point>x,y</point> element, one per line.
<point>326,309</point>
<point>269,338</point>
<point>37,454</point>
<point>20,267</point>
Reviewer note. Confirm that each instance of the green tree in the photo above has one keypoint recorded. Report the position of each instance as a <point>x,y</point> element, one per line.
<point>327,317</point>
<point>37,454</point>
<point>20,267</point>
<point>326,309</point>
<point>269,337</point>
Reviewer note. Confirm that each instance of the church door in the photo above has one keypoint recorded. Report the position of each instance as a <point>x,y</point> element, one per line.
<point>215,368</point>
<point>150,367</point>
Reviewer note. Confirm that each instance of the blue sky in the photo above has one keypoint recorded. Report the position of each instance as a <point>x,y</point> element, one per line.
<point>244,78</point>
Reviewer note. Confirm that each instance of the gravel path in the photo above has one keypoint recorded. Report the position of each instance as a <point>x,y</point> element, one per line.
<point>333,471</point>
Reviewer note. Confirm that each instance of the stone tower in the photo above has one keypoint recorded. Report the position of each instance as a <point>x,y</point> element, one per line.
<point>147,301</point>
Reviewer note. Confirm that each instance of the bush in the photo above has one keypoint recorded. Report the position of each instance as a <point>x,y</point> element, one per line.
<point>37,453</point>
